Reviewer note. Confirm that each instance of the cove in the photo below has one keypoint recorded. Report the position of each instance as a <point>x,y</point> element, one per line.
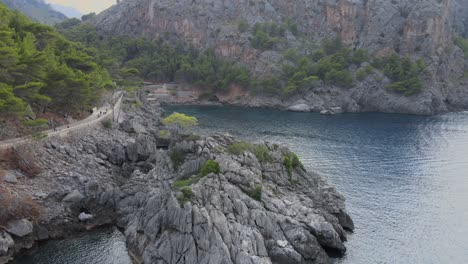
<point>405,177</point>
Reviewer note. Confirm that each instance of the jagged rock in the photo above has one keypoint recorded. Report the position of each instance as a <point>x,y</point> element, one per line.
<point>73,197</point>
<point>10,178</point>
<point>42,232</point>
<point>299,108</point>
<point>19,228</point>
<point>223,223</point>
<point>327,112</point>
<point>6,242</point>
<point>254,210</point>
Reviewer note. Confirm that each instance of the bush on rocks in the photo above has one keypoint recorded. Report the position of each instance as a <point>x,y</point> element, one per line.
<point>260,151</point>
<point>185,196</point>
<point>210,166</point>
<point>256,193</point>
<point>177,158</point>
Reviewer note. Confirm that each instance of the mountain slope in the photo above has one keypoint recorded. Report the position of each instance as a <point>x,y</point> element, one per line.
<point>66,10</point>
<point>37,10</point>
<point>421,31</point>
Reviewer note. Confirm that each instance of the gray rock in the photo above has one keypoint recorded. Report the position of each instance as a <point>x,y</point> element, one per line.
<point>19,228</point>
<point>85,217</point>
<point>327,112</point>
<point>42,233</point>
<point>6,242</point>
<point>299,108</point>
<point>10,178</point>
<point>74,197</point>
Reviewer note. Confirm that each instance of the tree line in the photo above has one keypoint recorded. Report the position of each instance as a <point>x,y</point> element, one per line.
<point>41,71</point>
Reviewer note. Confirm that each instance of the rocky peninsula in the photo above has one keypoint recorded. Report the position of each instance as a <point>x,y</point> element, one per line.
<point>190,199</point>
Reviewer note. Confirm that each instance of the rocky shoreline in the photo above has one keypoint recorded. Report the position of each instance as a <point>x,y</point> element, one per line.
<point>258,206</point>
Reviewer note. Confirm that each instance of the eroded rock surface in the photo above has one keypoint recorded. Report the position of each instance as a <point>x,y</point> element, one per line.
<point>255,209</point>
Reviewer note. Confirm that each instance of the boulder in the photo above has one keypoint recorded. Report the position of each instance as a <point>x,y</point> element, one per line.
<point>327,112</point>
<point>42,232</point>
<point>6,242</point>
<point>10,178</point>
<point>73,197</point>
<point>299,108</point>
<point>19,228</point>
<point>337,110</point>
<point>85,217</point>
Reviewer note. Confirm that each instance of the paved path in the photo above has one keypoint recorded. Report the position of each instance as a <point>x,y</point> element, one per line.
<point>66,129</point>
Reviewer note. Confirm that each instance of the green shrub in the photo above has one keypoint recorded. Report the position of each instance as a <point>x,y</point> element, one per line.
<point>185,197</point>
<point>404,73</point>
<point>243,25</point>
<point>138,104</point>
<point>262,153</point>
<point>360,56</point>
<point>39,123</point>
<point>256,193</point>
<point>266,36</point>
<point>178,158</point>
<point>332,45</point>
<point>182,183</point>
<point>291,162</point>
<point>192,137</point>
<point>361,75</point>
<point>239,148</point>
<point>164,134</point>
<point>181,120</point>
<point>463,44</point>
<point>107,123</point>
<point>407,87</point>
<point>341,78</point>
<point>210,166</point>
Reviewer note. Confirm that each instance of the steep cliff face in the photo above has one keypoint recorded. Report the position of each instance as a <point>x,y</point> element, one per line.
<point>420,29</point>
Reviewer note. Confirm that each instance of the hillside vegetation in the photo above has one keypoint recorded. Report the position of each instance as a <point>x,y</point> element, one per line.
<point>330,63</point>
<point>41,71</point>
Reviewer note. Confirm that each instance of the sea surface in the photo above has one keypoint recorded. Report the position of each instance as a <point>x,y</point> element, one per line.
<point>405,179</point>
<point>101,246</point>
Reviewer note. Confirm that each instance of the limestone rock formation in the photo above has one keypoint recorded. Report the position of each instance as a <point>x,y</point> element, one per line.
<point>254,207</point>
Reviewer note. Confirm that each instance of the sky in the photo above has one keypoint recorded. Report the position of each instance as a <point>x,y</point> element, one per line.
<point>85,6</point>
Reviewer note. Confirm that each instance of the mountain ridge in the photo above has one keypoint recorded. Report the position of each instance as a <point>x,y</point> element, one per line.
<point>423,30</point>
<point>37,10</point>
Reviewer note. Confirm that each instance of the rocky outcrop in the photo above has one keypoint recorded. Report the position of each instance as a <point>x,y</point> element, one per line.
<point>254,209</point>
<point>296,219</point>
<point>419,29</point>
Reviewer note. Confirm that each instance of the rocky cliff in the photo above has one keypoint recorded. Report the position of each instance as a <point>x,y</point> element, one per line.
<point>419,29</point>
<point>253,208</point>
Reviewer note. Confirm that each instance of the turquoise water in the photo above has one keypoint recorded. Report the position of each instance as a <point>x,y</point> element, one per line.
<point>405,177</point>
<point>101,246</point>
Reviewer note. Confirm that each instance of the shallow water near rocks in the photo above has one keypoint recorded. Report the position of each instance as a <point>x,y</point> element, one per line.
<point>101,246</point>
<point>405,179</point>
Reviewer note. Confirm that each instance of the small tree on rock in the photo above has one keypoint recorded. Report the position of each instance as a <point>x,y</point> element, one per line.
<point>179,123</point>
